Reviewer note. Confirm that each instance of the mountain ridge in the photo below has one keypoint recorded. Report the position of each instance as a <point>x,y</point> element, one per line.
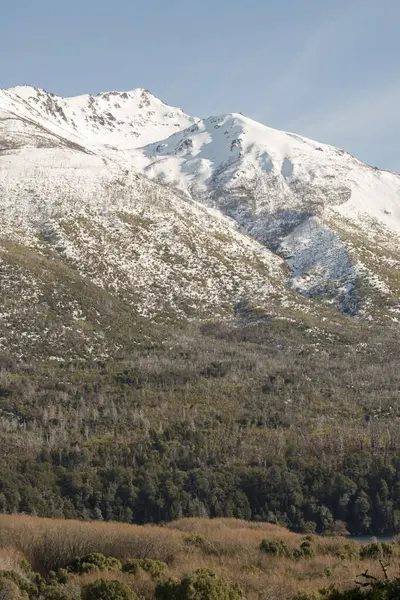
<point>117,117</point>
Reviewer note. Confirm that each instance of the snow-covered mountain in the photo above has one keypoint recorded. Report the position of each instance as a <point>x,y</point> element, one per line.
<point>335,219</point>
<point>90,249</point>
<point>220,154</point>
<point>119,119</point>
<point>120,204</point>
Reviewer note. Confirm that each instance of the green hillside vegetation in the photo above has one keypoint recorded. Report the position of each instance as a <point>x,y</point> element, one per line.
<point>292,422</point>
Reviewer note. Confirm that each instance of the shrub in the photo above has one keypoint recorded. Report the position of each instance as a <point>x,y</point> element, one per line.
<point>306,550</point>
<point>102,589</point>
<point>349,550</point>
<point>372,550</point>
<point>276,548</point>
<point>280,548</point>
<point>387,549</point>
<point>23,584</point>
<point>62,575</point>
<point>14,586</point>
<point>52,592</point>
<point>54,578</point>
<point>376,550</point>
<point>94,562</point>
<point>155,568</point>
<point>203,584</point>
<point>9,590</point>
<point>25,567</point>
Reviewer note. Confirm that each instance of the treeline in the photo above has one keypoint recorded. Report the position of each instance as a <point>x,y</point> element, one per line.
<point>165,478</point>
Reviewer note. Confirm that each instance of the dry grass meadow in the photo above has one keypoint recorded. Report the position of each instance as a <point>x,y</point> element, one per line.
<point>227,546</point>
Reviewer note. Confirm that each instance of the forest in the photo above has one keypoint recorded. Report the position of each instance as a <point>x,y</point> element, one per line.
<point>264,419</point>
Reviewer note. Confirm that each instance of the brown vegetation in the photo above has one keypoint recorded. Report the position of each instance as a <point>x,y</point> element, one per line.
<point>227,546</point>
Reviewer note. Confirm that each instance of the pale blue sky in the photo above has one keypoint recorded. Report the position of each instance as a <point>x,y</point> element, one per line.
<point>327,69</point>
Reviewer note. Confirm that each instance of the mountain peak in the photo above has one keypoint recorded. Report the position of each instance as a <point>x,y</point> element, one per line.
<point>120,119</point>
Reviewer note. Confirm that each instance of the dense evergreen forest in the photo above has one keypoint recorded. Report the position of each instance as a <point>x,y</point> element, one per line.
<point>266,420</point>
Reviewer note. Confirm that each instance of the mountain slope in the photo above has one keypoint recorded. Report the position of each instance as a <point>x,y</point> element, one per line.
<point>299,198</point>
<point>234,213</point>
<point>91,251</point>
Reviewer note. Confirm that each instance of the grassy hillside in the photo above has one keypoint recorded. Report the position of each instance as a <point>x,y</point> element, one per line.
<point>230,548</point>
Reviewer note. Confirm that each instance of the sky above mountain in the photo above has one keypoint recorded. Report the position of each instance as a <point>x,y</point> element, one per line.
<point>326,70</point>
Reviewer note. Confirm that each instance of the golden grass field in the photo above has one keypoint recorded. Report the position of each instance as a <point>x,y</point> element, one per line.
<point>227,546</point>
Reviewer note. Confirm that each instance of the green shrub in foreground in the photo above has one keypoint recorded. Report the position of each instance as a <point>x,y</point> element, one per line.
<point>94,562</point>
<point>9,590</point>
<point>102,589</point>
<point>276,548</point>
<point>22,583</point>
<point>203,584</point>
<point>54,592</point>
<point>155,568</point>
<point>376,550</point>
<point>305,550</point>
